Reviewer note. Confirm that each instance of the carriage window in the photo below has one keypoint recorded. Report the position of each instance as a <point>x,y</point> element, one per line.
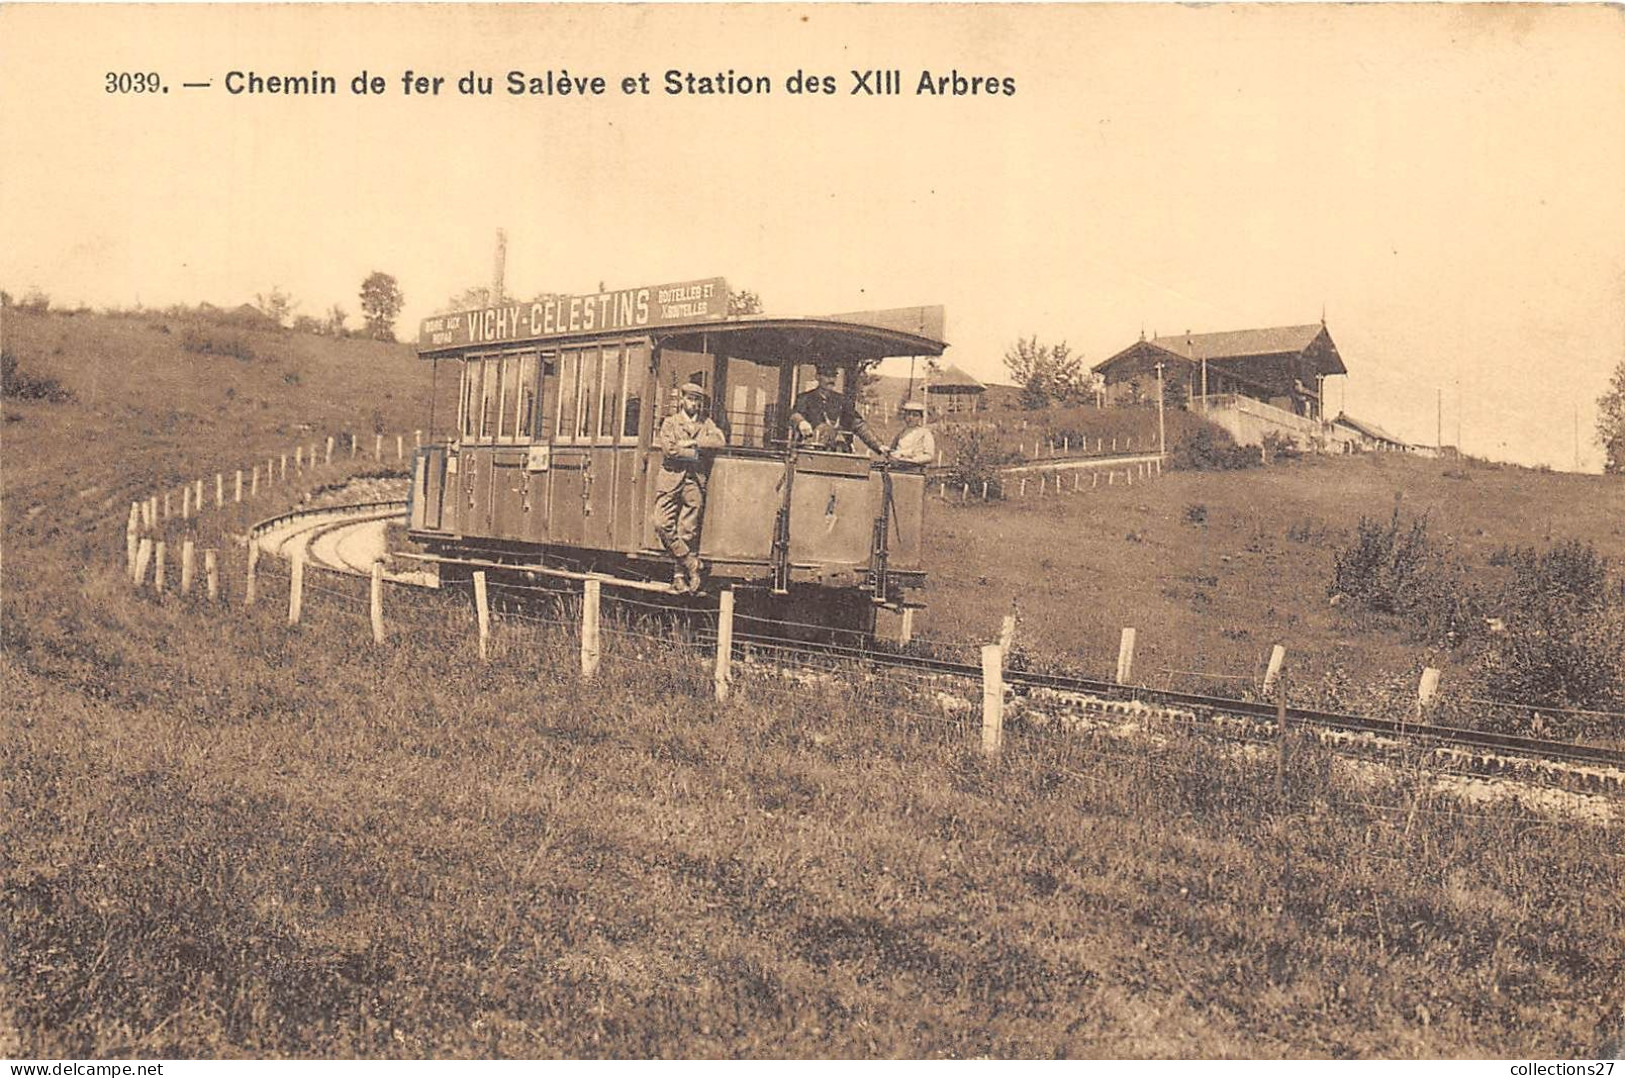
<point>586,391</point>
<point>471,397</point>
<point>490,399</point>
<point>752,388</point>
<point>510,396</point>
<point>569,364</point>
<point>637,362</point>
<point>609,392</point>
<point>525,412</point>
<point>547,400</point>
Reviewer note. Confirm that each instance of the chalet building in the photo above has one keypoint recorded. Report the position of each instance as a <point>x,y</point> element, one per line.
<point>950,391</point>
<point>1284,367</point>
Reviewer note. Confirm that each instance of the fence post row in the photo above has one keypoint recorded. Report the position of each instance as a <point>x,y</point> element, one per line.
<point>725,641</point>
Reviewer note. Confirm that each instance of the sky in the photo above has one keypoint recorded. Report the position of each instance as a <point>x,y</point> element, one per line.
<point>1443,183</point>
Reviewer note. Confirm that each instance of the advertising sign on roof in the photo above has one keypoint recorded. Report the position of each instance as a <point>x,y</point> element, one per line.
<point>628,309</point>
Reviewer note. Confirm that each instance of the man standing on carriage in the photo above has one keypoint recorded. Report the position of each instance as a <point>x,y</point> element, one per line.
<point>825,418</point>
<point>679,502</point>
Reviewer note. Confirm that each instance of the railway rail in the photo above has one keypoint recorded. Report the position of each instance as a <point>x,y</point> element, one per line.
<point>308,524</point>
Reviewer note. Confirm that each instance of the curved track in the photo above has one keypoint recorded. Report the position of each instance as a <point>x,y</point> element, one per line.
<point>348,539</point>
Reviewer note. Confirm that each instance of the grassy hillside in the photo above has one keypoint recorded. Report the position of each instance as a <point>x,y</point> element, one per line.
<point>1213,569</point>
<point>226,837</point>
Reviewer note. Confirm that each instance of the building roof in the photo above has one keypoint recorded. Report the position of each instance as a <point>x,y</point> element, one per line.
<point>1276,340</point>
<point>1370,430</point>
<point>950,379</point>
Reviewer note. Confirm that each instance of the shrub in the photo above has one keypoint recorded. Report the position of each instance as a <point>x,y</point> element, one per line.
<point>1211,449</point>
<point>234,345</point>
<point>977,460</point>
<point>17,385</point>
<point>1564,641</point>
<point>1196,513</point>
<point>1392,569</point>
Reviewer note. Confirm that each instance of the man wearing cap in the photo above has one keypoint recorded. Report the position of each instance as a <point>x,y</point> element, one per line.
<point>915,444</point>
<point>680,487</point>
<point>822,414</point>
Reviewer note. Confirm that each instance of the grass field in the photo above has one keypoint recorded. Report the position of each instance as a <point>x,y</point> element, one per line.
<point>1213,569</point>
<point>227,837</point>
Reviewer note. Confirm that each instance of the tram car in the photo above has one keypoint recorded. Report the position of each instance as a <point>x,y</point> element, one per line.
<point>551,469</point>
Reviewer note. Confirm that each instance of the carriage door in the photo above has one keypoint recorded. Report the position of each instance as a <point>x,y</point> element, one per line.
<point>481,387</point>
<point>510,504</point>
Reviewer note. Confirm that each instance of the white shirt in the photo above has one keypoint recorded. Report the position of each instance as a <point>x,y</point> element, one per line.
<point>916,445</point>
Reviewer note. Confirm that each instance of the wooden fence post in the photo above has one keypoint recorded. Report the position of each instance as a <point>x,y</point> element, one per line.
<point>1273,671</point>
<point>906,633</point>
<point>219,490</point>
<point>1007,633</point>
<point>1426,690</point>
<point>186,502</point>
<point>152,511</point>
<point>132,540</point>
<point>377,602</point>
<point>143,554</point>
<point>1023,486</point>
<point>248,577</point>
<point>400,447</point>
<point>964,493</point>
<point>284,466</point>
<point>942,489</point>
<point>992,699</point>
<point>1094,480</point>
<point>589,629</point>
<point>328,459</point>
<point>378,447</point>
<point>984,490</point>
<point>1125,657</point>
<point>188,566</point>
<point>725,642</point>
<point>254,483</point>
<point>237,489</point>
<point>197,497</point>
<point>417,439</point>
<point>211,574</point>
<point>298,458</point>
<point>353,440</point>
<point>296,586</point>
<point>482,609</point>
<point>158,559</point>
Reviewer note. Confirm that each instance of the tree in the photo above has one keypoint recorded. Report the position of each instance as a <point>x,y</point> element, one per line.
<point>1611,423</point>
<point>469,299</point>
<point>276,305</point>
<point>1046,373</point>
<point>381,303</point>
<point>744,302</point>
<point>334,326</point>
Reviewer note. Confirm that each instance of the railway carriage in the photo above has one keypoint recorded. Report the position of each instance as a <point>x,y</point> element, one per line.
<point>552,466</point>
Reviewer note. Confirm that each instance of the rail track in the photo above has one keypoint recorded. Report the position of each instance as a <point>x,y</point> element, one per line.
<point>329,538</point>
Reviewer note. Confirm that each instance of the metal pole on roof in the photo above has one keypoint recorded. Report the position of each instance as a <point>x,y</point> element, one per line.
<point>1162,430</point>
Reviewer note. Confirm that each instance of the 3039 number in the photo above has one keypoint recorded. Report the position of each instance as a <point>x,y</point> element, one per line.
<point>137,82</point>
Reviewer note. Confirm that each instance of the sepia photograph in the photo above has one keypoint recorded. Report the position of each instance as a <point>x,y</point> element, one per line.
<point>792,531</point>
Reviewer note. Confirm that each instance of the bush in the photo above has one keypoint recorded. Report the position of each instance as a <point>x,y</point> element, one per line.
<point>1397,570</point>
<point>16,385</point>
<point>234,345</point>
<point>977,460</point>
<point>1564,641</point>
<point>1211,449</point>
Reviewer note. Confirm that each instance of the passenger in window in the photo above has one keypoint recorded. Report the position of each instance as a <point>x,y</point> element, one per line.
<point>679,503</point>
<point>916,444</point>
<point>825,418</point>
